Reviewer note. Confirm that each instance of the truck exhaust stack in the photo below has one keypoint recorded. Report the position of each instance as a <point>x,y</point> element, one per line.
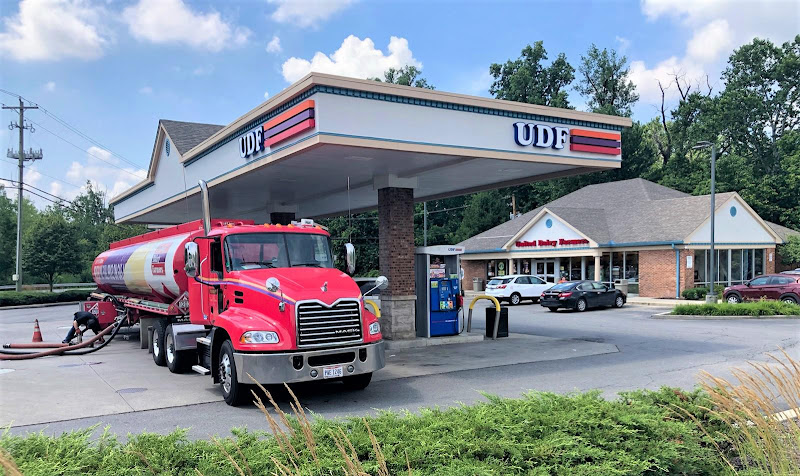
<point>206,206</point>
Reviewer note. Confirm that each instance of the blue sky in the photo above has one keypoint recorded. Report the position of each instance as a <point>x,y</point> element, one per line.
<point>112,68</point>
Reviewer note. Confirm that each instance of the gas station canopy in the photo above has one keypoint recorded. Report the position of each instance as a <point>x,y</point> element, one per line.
<point>326,144</point>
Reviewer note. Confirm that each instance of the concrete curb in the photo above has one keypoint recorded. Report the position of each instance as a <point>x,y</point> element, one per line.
<point>694,317</point>
<point>33,306</point>
<point>651,304</point>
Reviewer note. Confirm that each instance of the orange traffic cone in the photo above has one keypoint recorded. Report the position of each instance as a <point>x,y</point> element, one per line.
<point>37,333</point>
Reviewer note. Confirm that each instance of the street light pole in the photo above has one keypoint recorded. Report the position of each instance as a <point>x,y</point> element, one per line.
<point>712,293</point>
<point>711,297</point>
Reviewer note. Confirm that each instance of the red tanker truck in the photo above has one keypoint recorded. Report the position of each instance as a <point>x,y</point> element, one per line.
<point>239,300</point>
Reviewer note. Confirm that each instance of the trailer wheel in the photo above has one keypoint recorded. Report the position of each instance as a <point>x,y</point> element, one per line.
<point>357,382</point>
<point>233,392</point>
<point>177,360</point>
<point>159,330</point>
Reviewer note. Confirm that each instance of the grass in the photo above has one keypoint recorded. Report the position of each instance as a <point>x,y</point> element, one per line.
<point>722,428</point>
<point>13,298</point>
<point>759,308</point>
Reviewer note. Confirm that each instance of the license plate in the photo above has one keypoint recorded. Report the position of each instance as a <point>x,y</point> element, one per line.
<point>332,372</point>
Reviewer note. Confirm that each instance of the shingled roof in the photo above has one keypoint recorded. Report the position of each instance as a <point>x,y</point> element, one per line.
<point>186,135</point>
<point>627,211</point>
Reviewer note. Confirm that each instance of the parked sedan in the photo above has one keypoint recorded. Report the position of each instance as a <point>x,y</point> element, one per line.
<point>784,287</point>
<point>581,295</point>
<point>516,287</point>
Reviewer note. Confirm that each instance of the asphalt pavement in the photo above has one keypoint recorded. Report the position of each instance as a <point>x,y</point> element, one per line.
<point>651,353</point>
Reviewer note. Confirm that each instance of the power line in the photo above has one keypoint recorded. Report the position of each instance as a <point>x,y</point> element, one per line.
<point>72,128</point>
<point>35,188</point>
<point>89,153</point>
<point>49,176</point>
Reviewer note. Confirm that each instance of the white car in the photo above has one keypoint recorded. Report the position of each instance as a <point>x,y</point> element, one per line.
<point>516,287</point>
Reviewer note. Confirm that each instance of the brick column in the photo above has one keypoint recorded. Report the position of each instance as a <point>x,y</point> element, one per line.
<point>396,254</point>
<point>473,269</point>
<point>769,266</point>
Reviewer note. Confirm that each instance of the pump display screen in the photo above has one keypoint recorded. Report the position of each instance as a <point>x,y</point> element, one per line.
<point>277,250</point>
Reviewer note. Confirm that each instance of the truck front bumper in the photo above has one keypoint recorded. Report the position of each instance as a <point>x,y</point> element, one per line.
<point>282,367</point>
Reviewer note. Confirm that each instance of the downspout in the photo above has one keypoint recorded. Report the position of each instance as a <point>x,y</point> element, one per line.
<point>677,271</point>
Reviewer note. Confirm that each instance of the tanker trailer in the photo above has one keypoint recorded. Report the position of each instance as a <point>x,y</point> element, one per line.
<point>241,301</point>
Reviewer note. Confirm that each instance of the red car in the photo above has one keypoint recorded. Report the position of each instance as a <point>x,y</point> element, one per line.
<point>783,287</point>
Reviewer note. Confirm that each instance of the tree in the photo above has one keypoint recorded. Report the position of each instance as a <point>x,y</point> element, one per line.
<point>8,230</point>
<point>761,99</point>
<point>405,76</point>
<point>484,210</point>
<point>49,248</point>
<point>604,80</point>
<point>528,80</point>
<point>790,251</point>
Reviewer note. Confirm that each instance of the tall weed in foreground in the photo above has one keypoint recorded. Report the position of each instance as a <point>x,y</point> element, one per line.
<point>761,438</point>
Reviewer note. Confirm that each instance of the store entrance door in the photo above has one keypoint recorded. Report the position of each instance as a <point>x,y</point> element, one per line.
<point>546,269</point>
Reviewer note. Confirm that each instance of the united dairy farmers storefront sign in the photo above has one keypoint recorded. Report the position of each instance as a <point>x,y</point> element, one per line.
<point>556,137</point>
<point>281,127</point>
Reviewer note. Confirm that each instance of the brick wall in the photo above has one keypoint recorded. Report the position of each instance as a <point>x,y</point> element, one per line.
<point>657,273</point>
<point>473,269</point>
<point>396,235</point>
<point>687,274</point>
<point>769,266</point>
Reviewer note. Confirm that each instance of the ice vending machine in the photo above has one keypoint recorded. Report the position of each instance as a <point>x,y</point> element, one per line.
<point>438,280</point>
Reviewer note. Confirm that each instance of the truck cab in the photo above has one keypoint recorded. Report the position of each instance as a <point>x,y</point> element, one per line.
<point>273,309</point>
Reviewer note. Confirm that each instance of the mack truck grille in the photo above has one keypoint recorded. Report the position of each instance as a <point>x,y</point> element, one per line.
<point>319,324</point>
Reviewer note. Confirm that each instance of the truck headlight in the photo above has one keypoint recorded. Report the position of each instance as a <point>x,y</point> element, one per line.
<point>374,328</point>
<point>259,337</point>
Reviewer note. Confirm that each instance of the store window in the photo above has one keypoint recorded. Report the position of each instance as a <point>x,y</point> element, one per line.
<point>734,266</point>
<point>526,266</point>
<point>491,269</point>
<point>575,268</point>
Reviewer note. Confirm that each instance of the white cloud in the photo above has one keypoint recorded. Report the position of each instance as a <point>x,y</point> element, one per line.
<point>54,30</point>
<point>50,86</point>
<point>146,90</point>
<point>306,13</point>
<point>274,45</point>
<point>172,21</point>
<point>624,43</point>
<point>710,41</point>
<point>100,174</point>
<point>203,70</point>
<point>266,94</point>
<point>355,58</point>
<point>715,28</point>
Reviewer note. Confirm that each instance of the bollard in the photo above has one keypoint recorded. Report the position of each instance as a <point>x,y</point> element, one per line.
<point>496,306</point>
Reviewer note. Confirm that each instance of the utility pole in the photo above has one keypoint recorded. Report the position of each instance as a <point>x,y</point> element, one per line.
<point>22,156</point>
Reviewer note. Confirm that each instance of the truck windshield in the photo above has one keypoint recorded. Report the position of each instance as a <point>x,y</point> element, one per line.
<point>277,250</point>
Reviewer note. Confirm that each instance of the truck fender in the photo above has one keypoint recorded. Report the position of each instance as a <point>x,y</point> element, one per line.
<point>185,335</point>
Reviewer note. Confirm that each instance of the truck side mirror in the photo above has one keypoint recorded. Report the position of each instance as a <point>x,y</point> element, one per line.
<point>191,258</point>
<point>381,282</point>
<point>350,258</point>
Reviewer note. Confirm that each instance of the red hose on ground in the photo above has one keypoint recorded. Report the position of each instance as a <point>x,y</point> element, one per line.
<point>34,345</point>
<point>58,350</point>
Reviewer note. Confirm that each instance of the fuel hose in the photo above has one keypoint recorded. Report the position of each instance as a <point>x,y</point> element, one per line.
<point>77,349</point>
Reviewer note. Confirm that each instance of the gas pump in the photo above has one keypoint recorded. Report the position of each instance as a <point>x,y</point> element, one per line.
<point>438,273</point>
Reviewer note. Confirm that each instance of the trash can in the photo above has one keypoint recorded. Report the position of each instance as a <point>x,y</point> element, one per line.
<point>502,328</point>
<point>622,285</point>
<point>477,284</point>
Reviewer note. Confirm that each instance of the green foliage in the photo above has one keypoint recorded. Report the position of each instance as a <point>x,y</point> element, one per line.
<point>13,298</point>
<point>528,80</point>
<point>484,210</point>
<point>538,434</point>
<point>406,76</point>
<point>699,293</point>
<point>49,248</point>
<point>604,79</point>
<point>760,308</point>
<point>790,251</point>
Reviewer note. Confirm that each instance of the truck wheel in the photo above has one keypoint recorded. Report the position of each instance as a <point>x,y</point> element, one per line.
<point>159,329</point>
<point>233,392</point>
<point>357,382</point>
<point>177,361</point>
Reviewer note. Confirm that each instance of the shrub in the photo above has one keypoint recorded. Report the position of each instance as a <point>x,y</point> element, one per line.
<point>13,298</point>
<point>538,434</point>
<point>699,293</point>
<point>760,308</point>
